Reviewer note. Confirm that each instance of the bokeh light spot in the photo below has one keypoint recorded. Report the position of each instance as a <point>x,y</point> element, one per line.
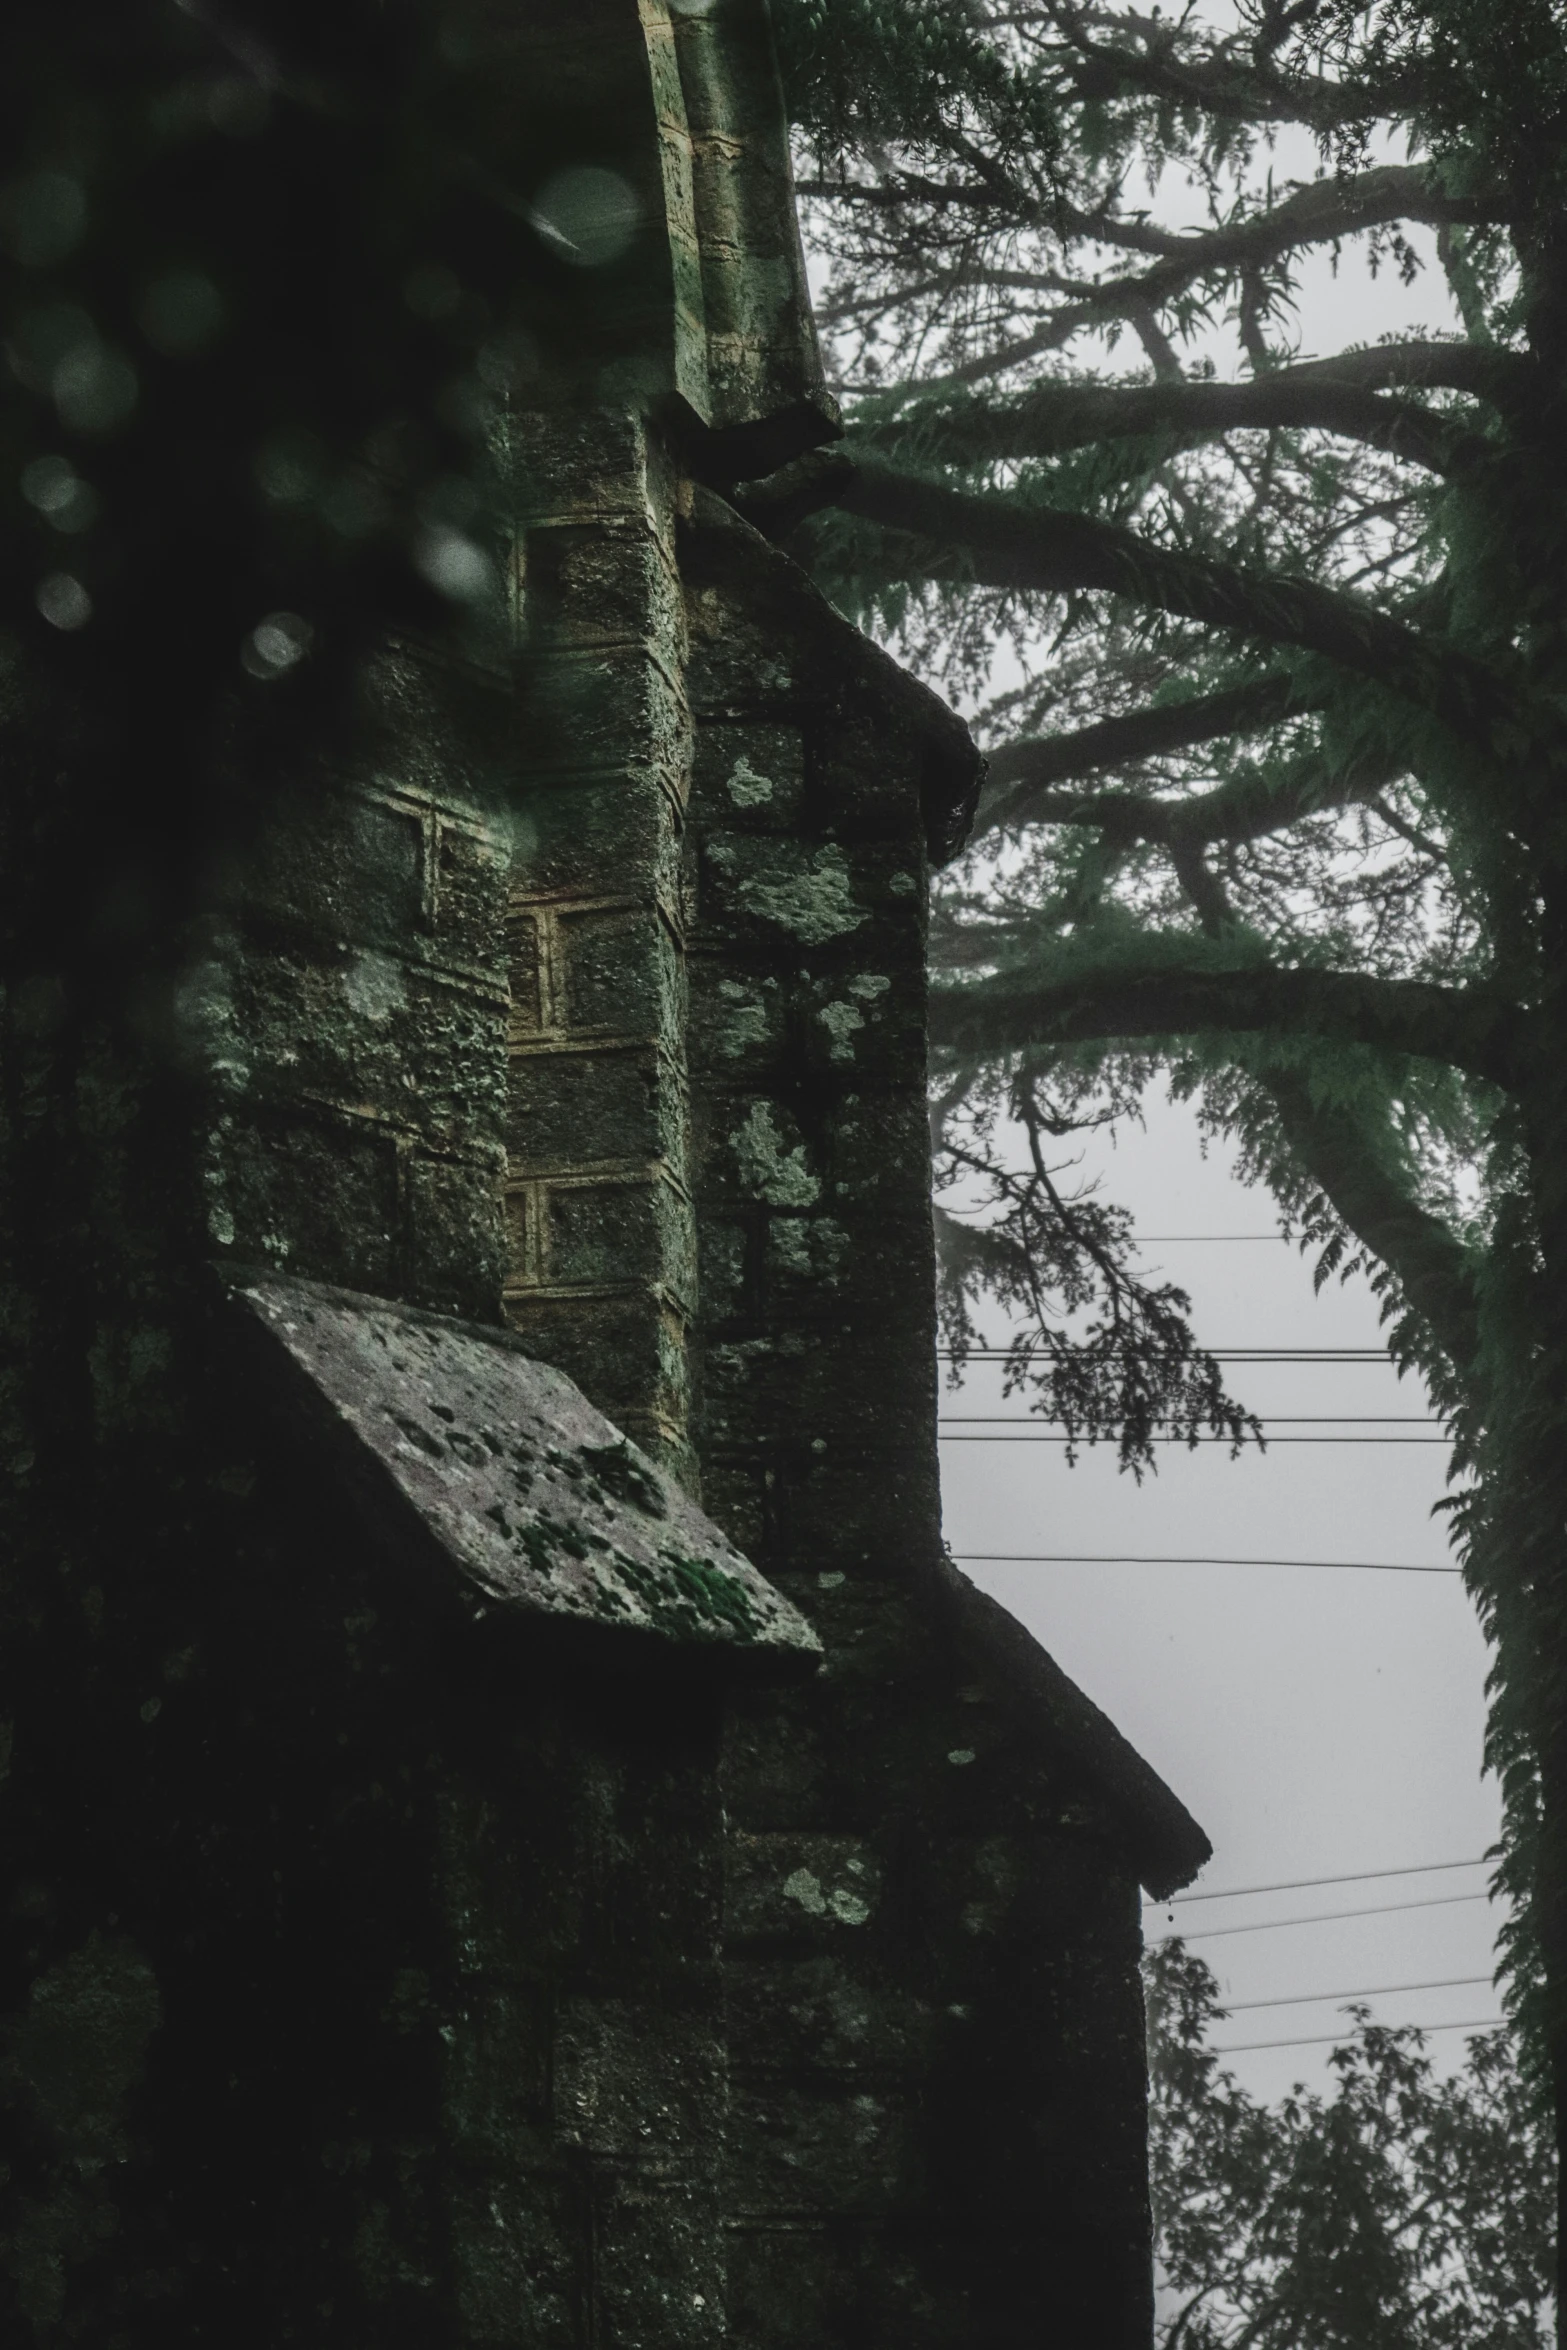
<point>49,483</point>
<point>288,470</point>
<point>588,215</point>
<point>276,645</point>
<point>54,487</point>
<point>94,387</point>
<point>453,564</point>
<point>63,601</point>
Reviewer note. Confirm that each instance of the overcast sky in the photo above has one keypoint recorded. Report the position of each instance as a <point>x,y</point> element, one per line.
<point>1317,1723</point>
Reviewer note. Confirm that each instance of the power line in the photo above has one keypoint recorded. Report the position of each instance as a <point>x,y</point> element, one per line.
<point>1475,2023</point>
<point>1282,1353</point>
<point>1422,1868</point>
<point>1269,1420</point>
<point>1190,1442</point>
<point>1321,1918</point>
<point>1067,1558</point>
<point>1375,1991</point>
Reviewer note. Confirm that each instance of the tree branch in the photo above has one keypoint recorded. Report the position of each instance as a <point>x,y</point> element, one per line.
<point>1429,1264</point>
<point>1473,1029</point>
<point>1322,212</point>
<point>1034,764</point>
<point>1236,92</point>
<point>1338,1149</point>
<point>1056,417</point>
<point>1245,808</point>
<point>1047,549</point>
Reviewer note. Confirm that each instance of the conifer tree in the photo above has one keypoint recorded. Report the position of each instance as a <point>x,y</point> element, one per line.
<point>1276,790</point>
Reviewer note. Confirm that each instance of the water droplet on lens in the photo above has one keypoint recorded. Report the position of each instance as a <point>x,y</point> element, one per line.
<point>588,216</point>
<point>453,564</point>
<point>63,601</point>
<point>49,483</point>
<point>276,644</point>
<point>94,387</point>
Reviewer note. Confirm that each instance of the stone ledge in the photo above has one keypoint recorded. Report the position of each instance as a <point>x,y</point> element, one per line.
<point>496,1468</point>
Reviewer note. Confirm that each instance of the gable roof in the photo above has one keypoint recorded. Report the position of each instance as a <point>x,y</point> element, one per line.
<point>1162,1840</point>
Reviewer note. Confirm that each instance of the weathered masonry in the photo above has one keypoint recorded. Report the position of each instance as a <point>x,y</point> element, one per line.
<point>517,1835</point>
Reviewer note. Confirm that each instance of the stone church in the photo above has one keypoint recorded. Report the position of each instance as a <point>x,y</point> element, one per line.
<point>517,1835</point>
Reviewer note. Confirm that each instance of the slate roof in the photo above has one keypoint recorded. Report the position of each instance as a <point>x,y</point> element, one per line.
<point>1162,1840</point>
<point>502,1475</point>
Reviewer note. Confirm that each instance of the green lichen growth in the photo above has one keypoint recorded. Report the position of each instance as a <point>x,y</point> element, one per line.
<point>813,902</point>
<point>767,1170</point>
<point>685,1594</point>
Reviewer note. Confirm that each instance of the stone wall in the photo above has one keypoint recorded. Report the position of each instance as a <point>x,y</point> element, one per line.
<point>932,1933</point>
<point>360,1976</point>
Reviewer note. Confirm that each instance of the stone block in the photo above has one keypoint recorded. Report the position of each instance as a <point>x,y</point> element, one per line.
<point>593,585</point>
<point>611,820</point>
<point>639,2082</point>
<point>519,2250</point>
<point>580,465</point>
<point>621,971</point>
<point>810,2016</point>
<point>626,1352</point>
<point>599,1106</point>
<point>829,2147</point>
<point>343,866</point>
<point>600,706</point>
<point>318,1191</point>
<point>737,1027</point>
<point>797,897</point>
<point>658,2266</point>
<point>456,1250</point>
<point>632,1228</point>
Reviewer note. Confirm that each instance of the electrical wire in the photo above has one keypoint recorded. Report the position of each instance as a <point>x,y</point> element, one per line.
<point>1375,1991</point>
<point>1068,1558</point>
<point>1269,1419</point>
<point>1420,1868</point>
<point>1321,1918</point>
<point>1477,2023</point>
<point>1280,1353</point>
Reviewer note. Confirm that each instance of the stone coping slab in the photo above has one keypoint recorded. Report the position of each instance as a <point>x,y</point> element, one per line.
<point>543,1509</point>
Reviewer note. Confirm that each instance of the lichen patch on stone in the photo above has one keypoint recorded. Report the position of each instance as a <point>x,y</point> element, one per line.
<point>809,898</point>
<point>746,788</point>
<point>767,1170</point>
<point>840,1022</point>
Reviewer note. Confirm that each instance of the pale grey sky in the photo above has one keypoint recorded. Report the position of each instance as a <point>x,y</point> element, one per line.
<point>1316,1723</point>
